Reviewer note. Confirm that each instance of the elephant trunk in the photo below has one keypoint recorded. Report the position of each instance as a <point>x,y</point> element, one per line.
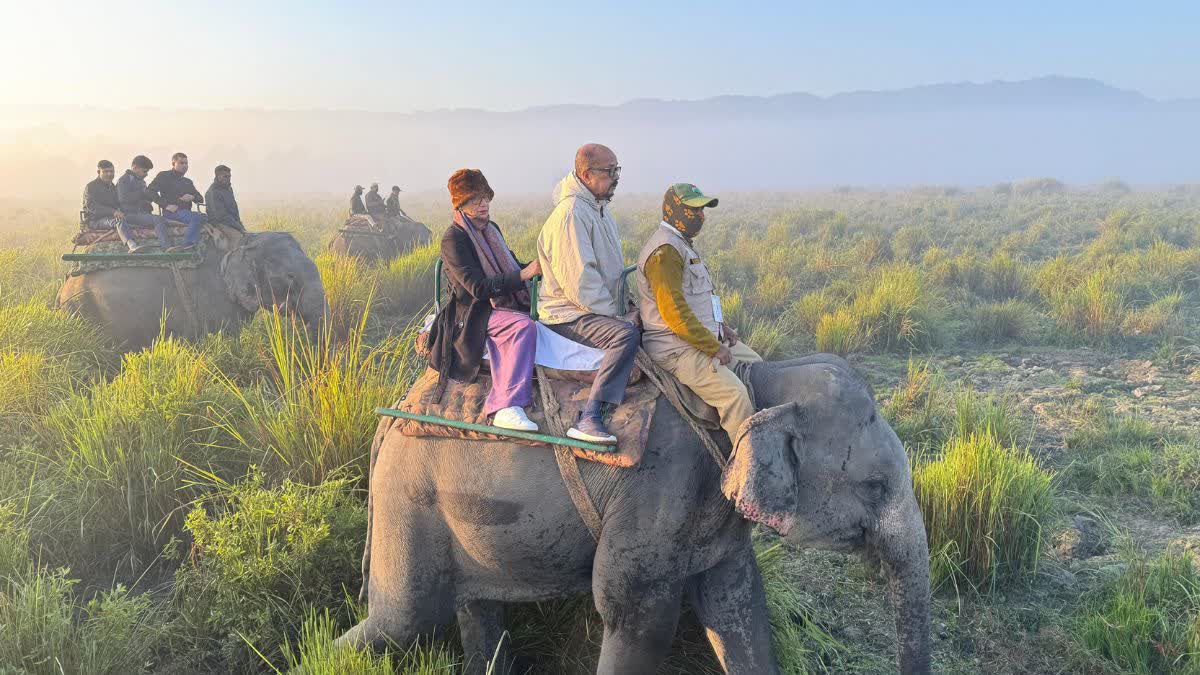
<point>901,545</point>
<point>314,309</point>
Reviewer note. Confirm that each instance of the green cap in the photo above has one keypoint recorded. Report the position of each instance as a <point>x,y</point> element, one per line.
<point>691,195</point>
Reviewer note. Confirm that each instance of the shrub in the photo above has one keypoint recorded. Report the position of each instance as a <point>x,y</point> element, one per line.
<point>1145,621</point>
<point>984,504</point>
<point>122,451</point>
<point>45,629</point>
<point>317,416</point>
<point>1005,277</point>
<point>261,557</point>
<point>1003,321</point>
<point>1039,186</point>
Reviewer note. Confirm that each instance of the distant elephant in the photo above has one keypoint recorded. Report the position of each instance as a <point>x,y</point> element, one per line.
<point>460,527</point>
<point>395,237</point>
<point>239,274</point>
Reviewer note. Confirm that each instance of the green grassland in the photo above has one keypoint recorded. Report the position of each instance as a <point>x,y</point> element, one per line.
<point>201,507</point>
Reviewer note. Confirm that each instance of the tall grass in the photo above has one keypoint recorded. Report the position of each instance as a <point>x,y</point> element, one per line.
<point>984,505</point>
<point>314,654</point>
<point>317,414</point>
<point>79,344</point>
<point>121,451</point>
<point>405,285</point>
<point>45,628</point>
<point>1147,620</point>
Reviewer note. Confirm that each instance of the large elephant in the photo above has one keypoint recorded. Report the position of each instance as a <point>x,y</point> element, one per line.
<point>460,527</point>
<point>397,236</point>
<point>239,274</point>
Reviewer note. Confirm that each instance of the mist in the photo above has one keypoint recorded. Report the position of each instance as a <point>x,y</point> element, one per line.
<point>1079,131</point>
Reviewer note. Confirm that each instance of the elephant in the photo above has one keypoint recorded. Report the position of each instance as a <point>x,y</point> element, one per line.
<point>238,274</point>
<point>457,527</point>
<point>398,236</point>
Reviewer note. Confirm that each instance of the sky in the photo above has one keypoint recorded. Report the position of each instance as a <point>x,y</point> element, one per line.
<point>401,56</point>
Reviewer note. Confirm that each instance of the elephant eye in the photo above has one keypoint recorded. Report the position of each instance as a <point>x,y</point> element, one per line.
<point>874,490</point>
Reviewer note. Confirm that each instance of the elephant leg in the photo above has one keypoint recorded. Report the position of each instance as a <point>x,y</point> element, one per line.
<point>639,625</point>
<point>732,606</point>
<point>481,625</point>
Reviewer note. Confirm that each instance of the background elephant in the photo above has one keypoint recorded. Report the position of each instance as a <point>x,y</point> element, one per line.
<point>239,273</point>
<point>457,528</point>
<point>399,236</point>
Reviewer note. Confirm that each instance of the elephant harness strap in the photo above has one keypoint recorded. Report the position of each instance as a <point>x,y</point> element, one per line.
<point>568,465</point>
<point>186,299</point>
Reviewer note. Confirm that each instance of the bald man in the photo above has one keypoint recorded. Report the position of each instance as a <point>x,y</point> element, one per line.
<point>579,249</point>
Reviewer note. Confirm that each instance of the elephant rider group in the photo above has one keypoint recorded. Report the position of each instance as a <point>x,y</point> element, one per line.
<point>127,203</point>
<point>677,320</point>
<point>375,207</point>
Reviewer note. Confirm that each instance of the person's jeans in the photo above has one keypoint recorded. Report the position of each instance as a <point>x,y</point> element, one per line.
<point>618,338</point>
<point>143,220</point>
<point>189,218</point>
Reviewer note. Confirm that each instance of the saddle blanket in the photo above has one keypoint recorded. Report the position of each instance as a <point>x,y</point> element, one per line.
<point>464,402</point>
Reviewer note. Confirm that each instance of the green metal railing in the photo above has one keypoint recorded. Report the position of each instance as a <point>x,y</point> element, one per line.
<point>489,429</point>
<point>121,257</point>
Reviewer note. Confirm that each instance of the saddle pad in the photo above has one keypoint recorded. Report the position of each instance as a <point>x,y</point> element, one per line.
<point>85,266</point>
<point>464,402</point>
<point>93,236</point>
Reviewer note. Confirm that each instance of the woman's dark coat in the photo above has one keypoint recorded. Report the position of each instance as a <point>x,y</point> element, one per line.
<point>458,336</point>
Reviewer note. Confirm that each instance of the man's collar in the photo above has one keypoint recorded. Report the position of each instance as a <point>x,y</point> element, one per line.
<point>675,230</point>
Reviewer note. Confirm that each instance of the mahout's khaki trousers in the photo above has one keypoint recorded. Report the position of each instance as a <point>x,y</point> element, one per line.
<point>720,387</point>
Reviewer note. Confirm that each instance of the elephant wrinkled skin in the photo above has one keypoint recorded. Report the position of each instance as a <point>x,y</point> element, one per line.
<point>239,274</point>
<point>460,527</point>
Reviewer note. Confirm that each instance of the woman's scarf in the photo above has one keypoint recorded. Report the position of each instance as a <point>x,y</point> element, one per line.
<point>493,252</point>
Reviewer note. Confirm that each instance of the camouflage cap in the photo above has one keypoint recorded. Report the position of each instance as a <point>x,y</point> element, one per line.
<point>691,195</point>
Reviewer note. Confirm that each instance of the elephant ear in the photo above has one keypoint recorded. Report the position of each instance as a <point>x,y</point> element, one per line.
<point>241,277</point>
<point>760,479</point>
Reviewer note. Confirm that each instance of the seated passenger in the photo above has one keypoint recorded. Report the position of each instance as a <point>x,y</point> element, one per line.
<point>488,305</point>
<point>134,200</point>
<point>101,210</point>
<point>375,206</point>
<point>222,205</point>
<point>356,202</point>
<point>682,326</point>
<point>393,204</point>
<point>580,252</point>
<point>175,194</point>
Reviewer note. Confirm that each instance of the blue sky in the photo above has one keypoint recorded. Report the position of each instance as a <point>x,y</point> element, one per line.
<point>395,56</point>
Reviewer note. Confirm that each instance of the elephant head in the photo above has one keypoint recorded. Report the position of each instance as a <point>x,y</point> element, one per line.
<point>822,468</point>
<point>269,269</point>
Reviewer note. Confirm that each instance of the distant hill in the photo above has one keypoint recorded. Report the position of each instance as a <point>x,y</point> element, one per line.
<point>1078,130</point>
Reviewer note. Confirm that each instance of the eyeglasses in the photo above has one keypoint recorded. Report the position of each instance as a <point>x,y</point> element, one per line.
<point>614,172</point>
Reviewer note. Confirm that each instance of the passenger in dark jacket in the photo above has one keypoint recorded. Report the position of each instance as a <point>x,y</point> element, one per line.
<point>393,204</point>
<point>175,193</point>
<point>133,198</point>
<point>356,202</point>
<point>222,206</point>
<point>488,307</point>
<point>375,206</point>
<point>101,209</point>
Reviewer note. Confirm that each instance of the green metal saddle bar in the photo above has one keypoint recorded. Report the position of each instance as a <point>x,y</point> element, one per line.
<point>121,257</point>
<point>489,429</point>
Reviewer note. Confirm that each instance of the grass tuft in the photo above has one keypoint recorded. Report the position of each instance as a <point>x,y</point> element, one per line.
<point>984,505</point>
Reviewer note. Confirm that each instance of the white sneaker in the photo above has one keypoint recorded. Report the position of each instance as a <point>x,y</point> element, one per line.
<point>513,417</point>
